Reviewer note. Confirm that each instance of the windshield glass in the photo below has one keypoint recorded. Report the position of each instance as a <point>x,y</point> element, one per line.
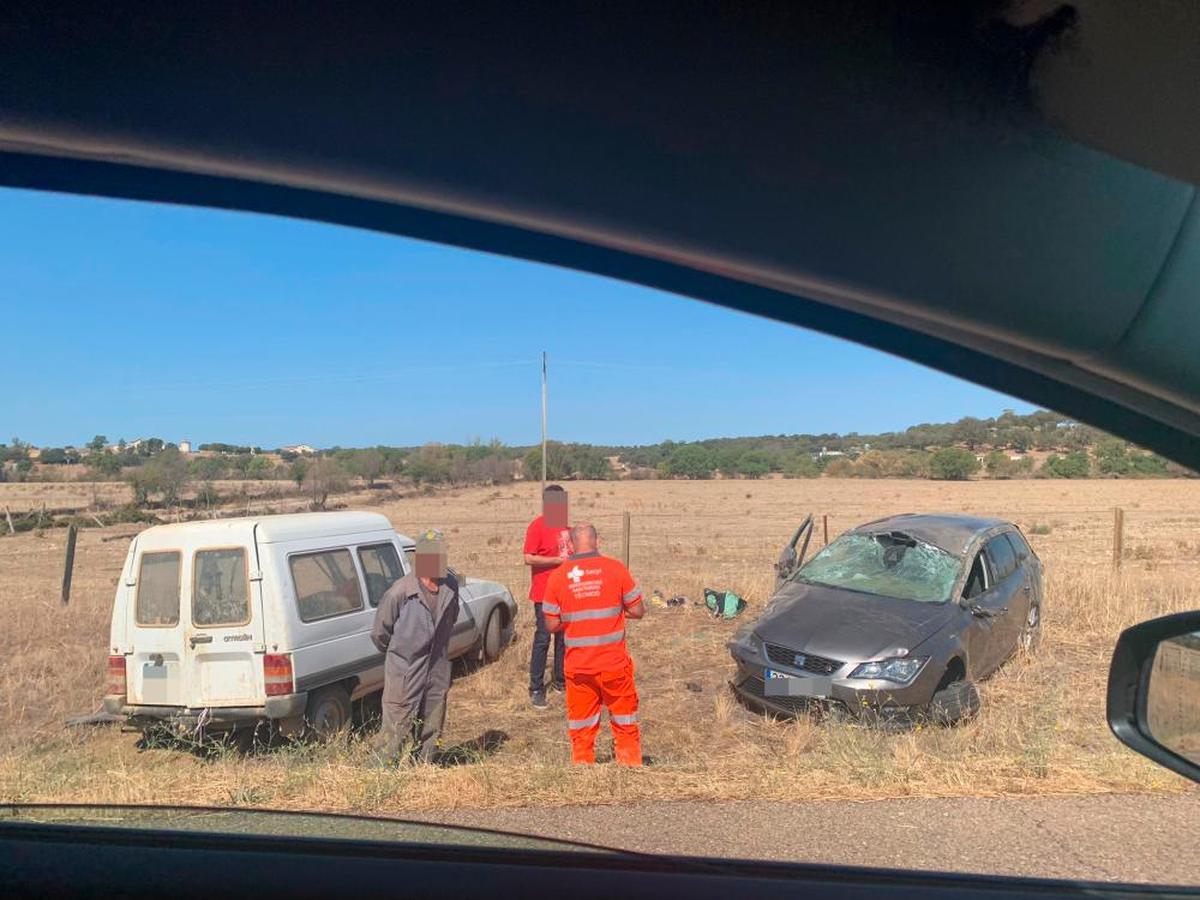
<point>886,565</point>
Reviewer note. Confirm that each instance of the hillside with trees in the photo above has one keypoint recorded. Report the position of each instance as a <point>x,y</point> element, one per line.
<point>1037,445</point>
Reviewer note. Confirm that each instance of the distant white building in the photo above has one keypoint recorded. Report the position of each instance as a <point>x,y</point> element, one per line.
<point>185,446</point>
<point>299,449</point>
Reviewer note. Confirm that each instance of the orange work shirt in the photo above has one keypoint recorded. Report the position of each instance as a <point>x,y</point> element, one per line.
<point>589,594</point>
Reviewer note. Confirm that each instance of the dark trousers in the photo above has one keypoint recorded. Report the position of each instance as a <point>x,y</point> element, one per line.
<point>537,655</point>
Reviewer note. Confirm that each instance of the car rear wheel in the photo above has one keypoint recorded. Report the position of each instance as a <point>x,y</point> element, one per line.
<point>490,641</point>
<point>328,712</point>
<point>954,702</point>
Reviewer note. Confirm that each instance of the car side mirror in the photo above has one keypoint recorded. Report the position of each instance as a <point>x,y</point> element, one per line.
<point>1154,691</point>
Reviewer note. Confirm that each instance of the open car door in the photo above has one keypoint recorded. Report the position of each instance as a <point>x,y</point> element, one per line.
<point>790,560</point>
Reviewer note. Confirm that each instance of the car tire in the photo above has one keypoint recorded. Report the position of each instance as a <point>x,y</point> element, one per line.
<point>954,703</point>
<point>489,642</point>
<point>1031,630</point>
<point>328,712</point>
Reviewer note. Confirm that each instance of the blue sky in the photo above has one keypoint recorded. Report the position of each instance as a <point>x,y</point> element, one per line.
<point>130,319</point>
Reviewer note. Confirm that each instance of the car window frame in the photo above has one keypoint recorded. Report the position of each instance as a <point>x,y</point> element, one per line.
<point>363,599</point>
<point>988,580</point>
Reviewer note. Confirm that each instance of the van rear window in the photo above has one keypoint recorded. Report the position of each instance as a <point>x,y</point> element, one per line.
<point>158,589</point>
<point>220,592</point>
<point>326,584</point>
<point>381,566</point>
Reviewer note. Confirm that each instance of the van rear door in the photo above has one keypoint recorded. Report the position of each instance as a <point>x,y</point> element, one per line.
<point>156,669</point>
<point>224,637</point>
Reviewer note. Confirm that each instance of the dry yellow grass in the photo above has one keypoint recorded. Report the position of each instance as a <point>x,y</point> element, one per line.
<point>1041,729</point>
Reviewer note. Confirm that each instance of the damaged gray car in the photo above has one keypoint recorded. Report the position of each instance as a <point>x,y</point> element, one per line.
<point>895,621</point>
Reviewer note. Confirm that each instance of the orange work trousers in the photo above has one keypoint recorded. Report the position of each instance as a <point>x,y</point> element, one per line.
<point>586,692</point>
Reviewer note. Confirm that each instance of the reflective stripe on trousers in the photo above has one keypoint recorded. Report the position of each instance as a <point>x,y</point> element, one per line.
<point>584,723</point>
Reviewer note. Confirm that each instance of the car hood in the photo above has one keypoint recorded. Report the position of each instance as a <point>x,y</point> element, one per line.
<point>848,625</point>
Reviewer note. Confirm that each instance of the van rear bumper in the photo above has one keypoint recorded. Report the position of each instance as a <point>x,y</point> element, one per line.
<point>288,706</point>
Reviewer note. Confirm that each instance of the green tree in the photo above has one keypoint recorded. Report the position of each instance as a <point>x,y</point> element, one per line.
<point>259,468</point>
<point>1073,465</point>
<point>689,461</point>
<point>368,464</point>
<point>952,464</point>
<point>998,465</point>
<point>1112,458</point>
<point>754,464</point>
<point>325,476</point>
<point>96,444</point>
<point>801,465</point>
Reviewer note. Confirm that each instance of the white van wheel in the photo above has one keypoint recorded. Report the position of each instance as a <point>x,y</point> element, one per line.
<point>490,649</point>
<point>328,712</point>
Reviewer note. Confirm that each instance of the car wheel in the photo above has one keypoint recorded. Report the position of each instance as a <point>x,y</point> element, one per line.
<point>1031,631</point>
<point>328,712</point>
<point>954,703</point>
<point>490,642</point>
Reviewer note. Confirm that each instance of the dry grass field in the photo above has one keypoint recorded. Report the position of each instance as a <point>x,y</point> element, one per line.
<point>1041,729</point>
<point>20,497</point>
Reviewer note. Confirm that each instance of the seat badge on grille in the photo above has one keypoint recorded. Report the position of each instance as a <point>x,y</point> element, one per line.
<point>799,660</point>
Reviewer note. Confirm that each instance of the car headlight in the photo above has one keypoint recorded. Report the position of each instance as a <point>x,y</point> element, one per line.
<point>901,669</point>
<point>746,638</point>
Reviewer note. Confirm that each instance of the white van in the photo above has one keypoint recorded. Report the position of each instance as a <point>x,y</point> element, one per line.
<point>234,622</point>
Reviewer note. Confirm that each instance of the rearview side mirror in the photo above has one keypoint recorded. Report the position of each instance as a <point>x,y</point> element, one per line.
<point>1154,691</point>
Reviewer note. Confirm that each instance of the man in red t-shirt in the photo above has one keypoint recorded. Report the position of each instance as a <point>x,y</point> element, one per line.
<point>547,544</point>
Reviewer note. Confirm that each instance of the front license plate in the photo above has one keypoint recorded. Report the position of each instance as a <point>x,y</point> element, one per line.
<point>784,684</point>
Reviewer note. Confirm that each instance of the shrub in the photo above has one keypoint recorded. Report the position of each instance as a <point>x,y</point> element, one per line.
<point>952,464</point>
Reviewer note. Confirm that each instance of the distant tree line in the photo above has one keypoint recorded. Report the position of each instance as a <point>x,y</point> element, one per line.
<point>996,448</point>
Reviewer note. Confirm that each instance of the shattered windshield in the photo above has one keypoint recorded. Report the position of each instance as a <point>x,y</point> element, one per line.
<point>890,565</point>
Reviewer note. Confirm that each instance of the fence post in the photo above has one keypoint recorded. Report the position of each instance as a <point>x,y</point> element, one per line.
<point>1118,545</point>
<point>69,563</point>
<point>625,538</point>
<point>825,527</point>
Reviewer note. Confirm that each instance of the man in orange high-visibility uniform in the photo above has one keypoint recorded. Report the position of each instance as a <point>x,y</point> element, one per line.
<point>589,597</point>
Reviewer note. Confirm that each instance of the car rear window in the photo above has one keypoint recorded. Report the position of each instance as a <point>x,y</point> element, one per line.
<point>158,589</point>
<point>326,584</point>
<point>1004,561</point>
<point>220,591</point>
<point>381,568</point>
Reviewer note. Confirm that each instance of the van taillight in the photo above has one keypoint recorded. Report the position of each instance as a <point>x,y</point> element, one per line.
<point>277,673</point>
<point>116,675</point>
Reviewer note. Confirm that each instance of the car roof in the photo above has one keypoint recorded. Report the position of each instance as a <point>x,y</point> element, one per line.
<point>953,533</point>
<point>901,178</point>
<point>270,529</point>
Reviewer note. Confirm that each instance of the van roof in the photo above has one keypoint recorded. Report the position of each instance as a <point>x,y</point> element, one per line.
<point>273,529</point>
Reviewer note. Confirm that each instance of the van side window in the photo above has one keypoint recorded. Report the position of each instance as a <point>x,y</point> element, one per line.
<point>220,591</point>
<point>326,584</point>
<point>381,567</point>
<point>158,589</point>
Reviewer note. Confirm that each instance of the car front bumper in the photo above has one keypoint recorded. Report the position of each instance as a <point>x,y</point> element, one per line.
<point>866,700</point>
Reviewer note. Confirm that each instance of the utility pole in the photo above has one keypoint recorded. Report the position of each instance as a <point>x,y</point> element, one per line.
<point>543,421</point>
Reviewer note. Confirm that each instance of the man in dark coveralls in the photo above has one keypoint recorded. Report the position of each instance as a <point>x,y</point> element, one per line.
<point>412,628</point>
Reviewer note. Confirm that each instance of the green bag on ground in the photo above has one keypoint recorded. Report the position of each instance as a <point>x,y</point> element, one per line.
<point>723,604</point>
